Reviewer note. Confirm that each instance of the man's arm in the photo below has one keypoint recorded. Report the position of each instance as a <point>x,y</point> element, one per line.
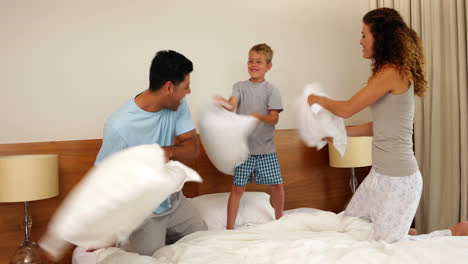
<point>186,147</point>
<point>112,143</point>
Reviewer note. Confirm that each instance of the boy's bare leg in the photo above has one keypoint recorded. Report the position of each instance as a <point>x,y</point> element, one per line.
<point>277,199</point>
<point>460,229</point>
<point>233,205</point>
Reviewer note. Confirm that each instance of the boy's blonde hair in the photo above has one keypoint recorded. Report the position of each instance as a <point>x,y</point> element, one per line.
<point>265,50</point>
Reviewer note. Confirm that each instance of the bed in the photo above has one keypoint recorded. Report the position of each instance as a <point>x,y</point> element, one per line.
<point>303,235</point>
<point>315,193</point>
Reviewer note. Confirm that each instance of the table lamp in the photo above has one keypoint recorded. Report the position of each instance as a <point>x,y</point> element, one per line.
<point>358,153</point>
<point>25,178</point>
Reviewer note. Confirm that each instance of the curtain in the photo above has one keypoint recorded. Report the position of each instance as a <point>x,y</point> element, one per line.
<point>441,137</point>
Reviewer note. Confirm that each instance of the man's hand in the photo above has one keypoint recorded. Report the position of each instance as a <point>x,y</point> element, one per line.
<point>48,256</point>
<point>167,154</point>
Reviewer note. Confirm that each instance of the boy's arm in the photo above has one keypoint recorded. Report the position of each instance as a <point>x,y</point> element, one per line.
<point>233,102</point>
<point>230,105</point>
<point>270,119</point>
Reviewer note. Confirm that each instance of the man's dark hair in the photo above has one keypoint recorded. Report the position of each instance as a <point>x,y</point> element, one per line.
<point>168,65</point>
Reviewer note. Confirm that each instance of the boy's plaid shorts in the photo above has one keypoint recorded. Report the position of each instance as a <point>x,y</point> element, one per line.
<point>265,168</point>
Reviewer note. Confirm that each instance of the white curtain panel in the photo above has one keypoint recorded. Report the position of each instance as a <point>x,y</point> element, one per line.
<point>441,137</point>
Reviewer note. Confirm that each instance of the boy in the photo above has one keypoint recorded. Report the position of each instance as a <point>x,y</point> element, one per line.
<point>261,99</point>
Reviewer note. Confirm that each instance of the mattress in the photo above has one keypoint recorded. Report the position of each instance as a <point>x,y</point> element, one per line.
<point>299,237</point>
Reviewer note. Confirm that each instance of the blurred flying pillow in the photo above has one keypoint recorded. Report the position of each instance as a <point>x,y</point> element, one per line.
<point>114,198</point>
<point>224,136</point>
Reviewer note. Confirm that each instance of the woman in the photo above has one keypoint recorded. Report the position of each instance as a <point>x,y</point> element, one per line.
<point>390,194</point>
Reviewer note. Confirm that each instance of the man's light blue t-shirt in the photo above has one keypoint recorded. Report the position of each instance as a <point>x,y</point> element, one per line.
<point>132,126</point>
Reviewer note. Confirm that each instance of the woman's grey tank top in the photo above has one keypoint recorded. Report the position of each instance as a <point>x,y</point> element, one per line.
<point>392,147</point>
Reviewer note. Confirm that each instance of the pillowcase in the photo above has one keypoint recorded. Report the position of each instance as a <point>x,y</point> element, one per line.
<point>254,209</point>
<point>224,136</point>
<point>303,210</point>
<point>316,122</point>
<point>114,198</point>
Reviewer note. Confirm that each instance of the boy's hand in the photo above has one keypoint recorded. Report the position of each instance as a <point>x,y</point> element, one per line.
<point>270,119</point>
<point>257,116</point>
<point>221,102</point>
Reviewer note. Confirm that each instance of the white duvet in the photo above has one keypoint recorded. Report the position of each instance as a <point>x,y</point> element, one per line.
<point>321,237</point>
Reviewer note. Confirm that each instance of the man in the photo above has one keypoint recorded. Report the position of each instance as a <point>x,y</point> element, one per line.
<point>159,115</point>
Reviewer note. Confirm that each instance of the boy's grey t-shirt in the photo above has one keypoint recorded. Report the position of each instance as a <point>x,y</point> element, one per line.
<point>258,98</point>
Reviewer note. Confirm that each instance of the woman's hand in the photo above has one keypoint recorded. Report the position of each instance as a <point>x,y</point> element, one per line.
<point>313,99</point>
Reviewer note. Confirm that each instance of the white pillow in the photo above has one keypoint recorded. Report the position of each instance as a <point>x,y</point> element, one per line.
<point>254,209</point>
<point>224,136</point>
<point>305,210</point>
<point>114,198</point>
<point>315,122</point>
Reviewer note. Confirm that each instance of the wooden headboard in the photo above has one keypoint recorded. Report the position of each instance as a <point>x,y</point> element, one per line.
<point>308,182</point>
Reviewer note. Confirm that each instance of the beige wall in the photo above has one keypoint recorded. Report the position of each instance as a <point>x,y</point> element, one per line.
<point>67,65</point>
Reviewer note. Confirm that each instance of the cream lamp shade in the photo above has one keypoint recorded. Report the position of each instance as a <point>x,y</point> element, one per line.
<point>28,177</point>
<point>358,153</point>
<point>25,178</point>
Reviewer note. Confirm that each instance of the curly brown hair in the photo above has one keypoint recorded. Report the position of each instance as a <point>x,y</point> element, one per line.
<point>397,45</point>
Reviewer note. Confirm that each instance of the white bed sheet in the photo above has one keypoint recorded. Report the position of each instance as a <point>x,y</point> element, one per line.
<point>80,256</point>
<point>319,237</point>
